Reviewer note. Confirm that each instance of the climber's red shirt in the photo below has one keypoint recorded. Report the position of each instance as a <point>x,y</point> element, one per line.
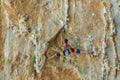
<point>65,46</point>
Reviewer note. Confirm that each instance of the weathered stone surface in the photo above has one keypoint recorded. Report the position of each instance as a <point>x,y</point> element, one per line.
<point>30,31</point>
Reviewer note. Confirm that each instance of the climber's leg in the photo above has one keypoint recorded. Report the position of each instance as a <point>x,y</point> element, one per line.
<point>78,51</point>
<point>51,56</point>
<point>84,51</point>
<point>58,54</point>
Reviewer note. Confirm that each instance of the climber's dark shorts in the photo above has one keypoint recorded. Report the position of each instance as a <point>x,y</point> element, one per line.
<point>64,53</point>
<point>75,51</point>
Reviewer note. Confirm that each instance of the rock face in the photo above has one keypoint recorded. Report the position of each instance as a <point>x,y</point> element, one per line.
<point>30,31</point>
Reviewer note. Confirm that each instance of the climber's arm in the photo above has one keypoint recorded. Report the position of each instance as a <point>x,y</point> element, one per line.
<point>61,39</point>
<point>60,44</point>
<point>62,31</point>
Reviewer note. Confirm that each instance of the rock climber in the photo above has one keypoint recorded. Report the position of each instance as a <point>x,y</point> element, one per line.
<point>67,50</point>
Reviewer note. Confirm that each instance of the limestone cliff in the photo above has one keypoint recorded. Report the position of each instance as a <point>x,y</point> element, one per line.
<point>30,31</point>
